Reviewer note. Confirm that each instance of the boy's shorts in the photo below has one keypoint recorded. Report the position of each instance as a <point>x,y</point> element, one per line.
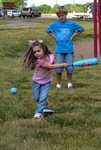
<point>64,58</point>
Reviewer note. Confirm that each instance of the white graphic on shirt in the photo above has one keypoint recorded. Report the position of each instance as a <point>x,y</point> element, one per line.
<point>65,30</point>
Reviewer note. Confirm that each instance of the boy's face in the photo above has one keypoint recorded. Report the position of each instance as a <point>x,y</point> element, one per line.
<point>62,17</point>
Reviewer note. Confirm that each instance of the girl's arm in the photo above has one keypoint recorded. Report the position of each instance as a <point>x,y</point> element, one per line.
<point>53,66</point>
<point>76,33</point>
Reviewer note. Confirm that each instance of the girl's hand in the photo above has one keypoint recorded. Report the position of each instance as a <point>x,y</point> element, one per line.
<point>65,65</point>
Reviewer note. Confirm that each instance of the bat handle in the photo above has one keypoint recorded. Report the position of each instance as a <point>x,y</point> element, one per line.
<point>70,64</point>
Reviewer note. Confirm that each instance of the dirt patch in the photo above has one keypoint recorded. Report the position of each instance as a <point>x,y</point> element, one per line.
<point>85,49</point>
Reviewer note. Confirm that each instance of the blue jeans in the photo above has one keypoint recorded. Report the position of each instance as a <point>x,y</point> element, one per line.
<point>67,58</point>
<point>40,94</point>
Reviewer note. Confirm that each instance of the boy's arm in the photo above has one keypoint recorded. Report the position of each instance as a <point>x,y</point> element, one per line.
<point>76,33</point>
<point>51,34</point>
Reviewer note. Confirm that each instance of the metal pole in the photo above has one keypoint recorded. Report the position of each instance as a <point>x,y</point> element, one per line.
<point>95,28</point>
<point>99,15</point>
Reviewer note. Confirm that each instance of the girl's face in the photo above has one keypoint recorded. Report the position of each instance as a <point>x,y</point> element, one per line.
<point>62,17</point>
<point>38,52</point>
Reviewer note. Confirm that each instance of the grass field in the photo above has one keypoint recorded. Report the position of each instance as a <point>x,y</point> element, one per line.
<point>76,123</point>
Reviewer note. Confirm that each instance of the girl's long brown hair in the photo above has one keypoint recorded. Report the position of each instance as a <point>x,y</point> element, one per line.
<point>29,59</point>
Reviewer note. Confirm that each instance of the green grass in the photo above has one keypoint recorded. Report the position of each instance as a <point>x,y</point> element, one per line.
<point>76,123</point>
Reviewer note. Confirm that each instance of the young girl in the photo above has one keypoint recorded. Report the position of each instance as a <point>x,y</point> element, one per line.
<point>41,60</point>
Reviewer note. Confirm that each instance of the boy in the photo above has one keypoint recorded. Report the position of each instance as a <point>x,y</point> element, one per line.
<point>64,32</point>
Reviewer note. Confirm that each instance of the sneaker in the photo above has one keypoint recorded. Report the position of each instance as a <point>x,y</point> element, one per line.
<point>58,86</point>
<point>38,116</point>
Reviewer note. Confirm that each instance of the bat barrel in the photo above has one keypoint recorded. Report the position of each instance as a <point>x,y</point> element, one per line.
<point>85,62</point>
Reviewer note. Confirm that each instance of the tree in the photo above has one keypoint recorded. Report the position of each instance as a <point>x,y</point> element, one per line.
<point>69,7</point>
<point>19,4</point>
<point>77,8</point>
<point>53,9</point>
<point>44,8</point>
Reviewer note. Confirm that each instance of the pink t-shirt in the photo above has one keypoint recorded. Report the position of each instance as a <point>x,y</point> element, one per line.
<point>43,75</point>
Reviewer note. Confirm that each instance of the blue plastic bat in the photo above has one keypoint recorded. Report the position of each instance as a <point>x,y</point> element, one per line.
<point>85,62</point>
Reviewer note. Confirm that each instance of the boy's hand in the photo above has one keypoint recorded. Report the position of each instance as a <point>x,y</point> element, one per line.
<point>51,34</point>
<point>75,34</point>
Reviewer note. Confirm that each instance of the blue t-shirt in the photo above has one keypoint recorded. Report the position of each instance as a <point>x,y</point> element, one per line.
<point>63,32</point>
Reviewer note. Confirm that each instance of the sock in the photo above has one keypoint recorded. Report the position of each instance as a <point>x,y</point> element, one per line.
<point>69,85</point>
<point>58,86</point>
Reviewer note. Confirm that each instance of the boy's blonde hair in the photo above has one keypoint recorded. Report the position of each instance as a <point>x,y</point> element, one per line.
<point>61,10</point>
